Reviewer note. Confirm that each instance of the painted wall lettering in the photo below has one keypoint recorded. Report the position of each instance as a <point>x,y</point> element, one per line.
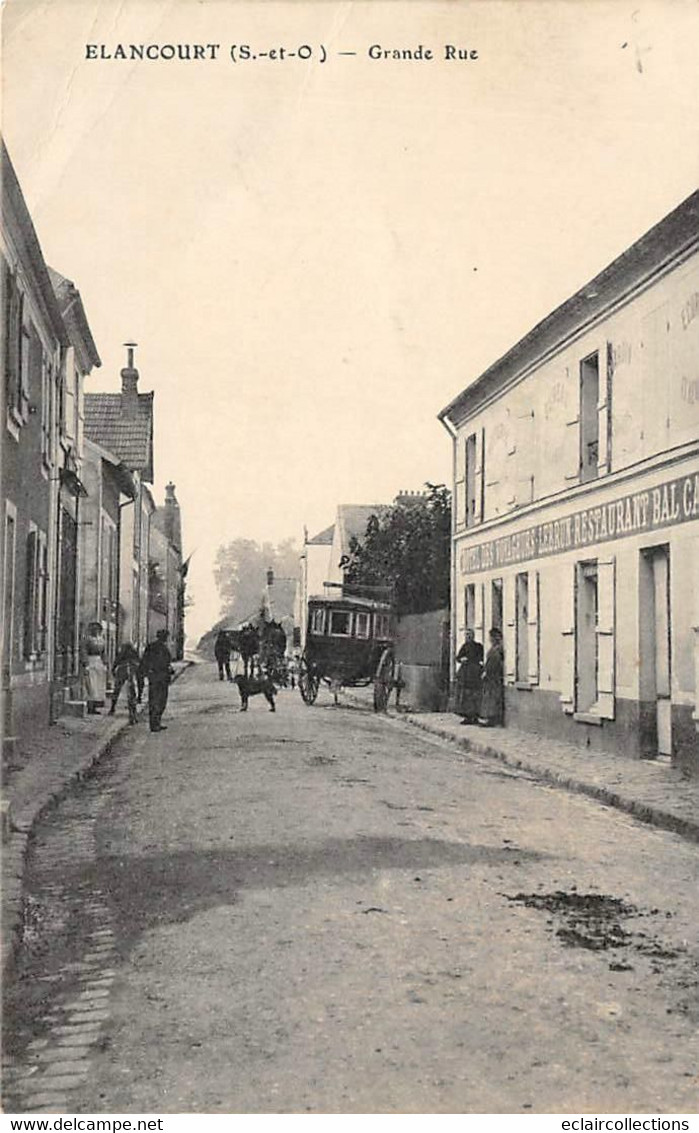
<point>675,501</point>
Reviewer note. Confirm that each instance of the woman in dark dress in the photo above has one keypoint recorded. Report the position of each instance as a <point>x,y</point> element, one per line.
<point>468,681</point>
<point>493,700</point>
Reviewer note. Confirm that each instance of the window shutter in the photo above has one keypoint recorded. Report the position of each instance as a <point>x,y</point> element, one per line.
<point>30,596</point>
<point>479,612</point>
<point>478,478</point>
<point>69,381</point>
<point>696,632</point>
<point>459,481</point>
<point>533,626</point>
<point>43,568</point>
<point>571,468</point>
<point>604,406</point>
<point>509,615</point>
<point>568,592</point>
<point>461,618</point>
<point>13,347</point>
<point>606,574</point>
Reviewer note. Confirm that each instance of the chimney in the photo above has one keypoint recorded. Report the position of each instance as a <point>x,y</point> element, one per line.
<point>129,383</point>
<point>173,522</point>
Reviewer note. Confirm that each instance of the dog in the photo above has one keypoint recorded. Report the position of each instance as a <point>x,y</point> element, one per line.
<point>251,686</point>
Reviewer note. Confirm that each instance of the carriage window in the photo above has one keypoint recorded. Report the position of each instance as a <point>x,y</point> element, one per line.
<point>318,621</point>
<point>361,625</point>
<point>380,625</point>
<point>340,622</point>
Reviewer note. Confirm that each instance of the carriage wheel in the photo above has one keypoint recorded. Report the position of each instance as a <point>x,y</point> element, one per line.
<point>309,682</point>
<point>383,680</point>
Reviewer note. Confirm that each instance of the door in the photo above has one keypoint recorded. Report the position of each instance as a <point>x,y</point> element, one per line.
<point>663,703</point>
<point>655,651</point>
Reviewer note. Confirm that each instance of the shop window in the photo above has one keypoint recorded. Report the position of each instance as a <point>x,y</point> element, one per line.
<point>589,418</point>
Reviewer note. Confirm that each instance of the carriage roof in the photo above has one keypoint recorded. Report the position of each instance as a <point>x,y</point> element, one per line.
<point>349,602</point>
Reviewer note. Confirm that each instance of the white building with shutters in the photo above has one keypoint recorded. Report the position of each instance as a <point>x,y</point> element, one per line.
<point>576,506</point>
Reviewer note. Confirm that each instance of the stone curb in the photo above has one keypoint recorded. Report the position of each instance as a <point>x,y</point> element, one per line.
<point>15,850</point>
<point>645,812</point>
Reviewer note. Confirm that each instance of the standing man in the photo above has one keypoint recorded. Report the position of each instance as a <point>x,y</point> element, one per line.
<point>157,667</point>
<point>126,669</point>
<point>222,653</point>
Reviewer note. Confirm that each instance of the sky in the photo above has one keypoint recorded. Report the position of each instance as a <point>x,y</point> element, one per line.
<point>315,257</point>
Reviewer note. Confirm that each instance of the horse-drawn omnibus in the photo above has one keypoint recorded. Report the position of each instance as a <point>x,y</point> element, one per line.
<point>349,642</point>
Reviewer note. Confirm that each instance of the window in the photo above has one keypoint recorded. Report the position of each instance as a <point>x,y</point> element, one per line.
<point>381,627</point>
<point>522,627</point>
<point>361,625</point>
<point>318,621</point>
<point>340,623</point>
<point>588,627</point>
<point>35,595</point>
<point>589,418</point>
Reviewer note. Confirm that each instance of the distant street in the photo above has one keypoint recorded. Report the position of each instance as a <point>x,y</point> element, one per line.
<point>322,910</point>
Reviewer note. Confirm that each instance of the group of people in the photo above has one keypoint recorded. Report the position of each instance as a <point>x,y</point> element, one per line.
<point>128,670</point>
<point>480,697</point>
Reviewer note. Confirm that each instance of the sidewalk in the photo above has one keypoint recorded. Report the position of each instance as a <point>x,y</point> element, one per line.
<point>34,779</point>
<point>650,790</point>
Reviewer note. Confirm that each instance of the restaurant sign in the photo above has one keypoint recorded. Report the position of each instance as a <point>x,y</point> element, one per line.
<point>675,501</point>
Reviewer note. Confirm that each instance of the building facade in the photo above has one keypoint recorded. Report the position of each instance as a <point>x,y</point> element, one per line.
<point>110,489</point>
<point>45,356</point>
<point>166,573</point>
<point>79,359</point>
<point>121,424</point>
<point>576,506</point>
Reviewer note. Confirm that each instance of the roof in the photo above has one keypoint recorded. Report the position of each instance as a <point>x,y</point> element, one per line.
<point>128,435</point>
<point>124,477</point>
<point>73,312</point>
<point>671,238</point>
<point>352,520</point>
<point>349,602</point>
<point>19,222</point>
<point>323,538</point>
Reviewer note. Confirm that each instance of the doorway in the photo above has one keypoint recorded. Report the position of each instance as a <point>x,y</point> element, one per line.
<point>586,637</point>
<point>496,604</point>
<point>655,651</point>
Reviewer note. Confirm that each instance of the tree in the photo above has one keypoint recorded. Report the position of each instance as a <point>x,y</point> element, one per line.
<point>241,577</point>
<point>408,548</point>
